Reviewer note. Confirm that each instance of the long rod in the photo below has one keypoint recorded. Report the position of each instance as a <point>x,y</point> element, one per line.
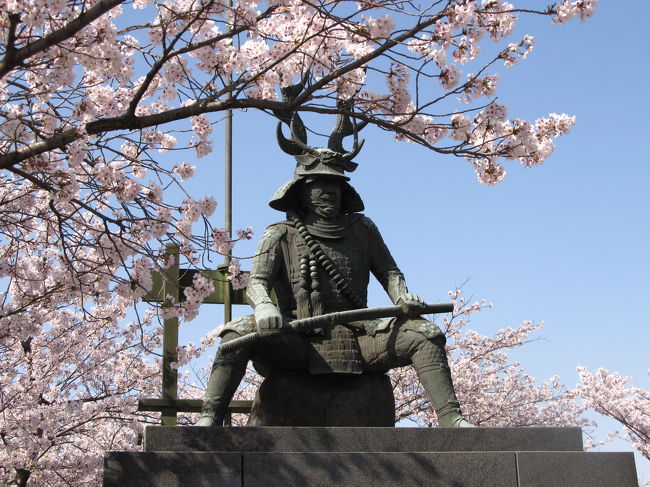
<point>227,293</point>
<point>227,289</point>
<point>348,316</point>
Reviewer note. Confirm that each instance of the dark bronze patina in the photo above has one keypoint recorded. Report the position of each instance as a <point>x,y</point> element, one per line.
<point>319,261</point>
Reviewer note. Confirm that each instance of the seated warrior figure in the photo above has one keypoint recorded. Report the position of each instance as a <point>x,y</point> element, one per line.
<point>319,261</point>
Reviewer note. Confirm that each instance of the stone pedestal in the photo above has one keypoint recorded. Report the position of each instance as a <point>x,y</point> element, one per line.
<point>440,457</point>
<point>297,398</point>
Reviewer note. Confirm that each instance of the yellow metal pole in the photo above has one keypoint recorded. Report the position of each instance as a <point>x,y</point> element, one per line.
<point>227,293</point>
<point>171,287</point>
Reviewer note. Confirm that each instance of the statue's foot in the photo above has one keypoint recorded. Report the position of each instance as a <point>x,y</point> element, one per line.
<point>462,423</point>
<point>454,420</point>
<point>205,421</point>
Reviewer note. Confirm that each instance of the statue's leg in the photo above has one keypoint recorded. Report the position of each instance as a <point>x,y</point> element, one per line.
<point>432,367</point>
<point>227,372</point>
<point>422,344</point>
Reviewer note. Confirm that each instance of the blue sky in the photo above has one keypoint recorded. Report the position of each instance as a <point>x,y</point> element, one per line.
<point>566,242</point>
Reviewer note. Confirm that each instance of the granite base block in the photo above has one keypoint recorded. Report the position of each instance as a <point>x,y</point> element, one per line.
<point>335,456</point>
<point>333,439</point>
<point>576,469</point>
<point>478,469</point>
<point>172,469</point>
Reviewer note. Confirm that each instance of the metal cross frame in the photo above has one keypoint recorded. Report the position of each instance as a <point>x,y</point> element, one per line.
<point>173,282</point>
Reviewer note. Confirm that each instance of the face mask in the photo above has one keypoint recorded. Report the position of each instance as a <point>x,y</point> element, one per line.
<point>323,197</point>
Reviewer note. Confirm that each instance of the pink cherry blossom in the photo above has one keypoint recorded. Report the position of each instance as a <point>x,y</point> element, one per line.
<point>449,76</point>
<point>184,170</point>
<point>245,234</point>
<point>237,278</point>
<point>222,241</point>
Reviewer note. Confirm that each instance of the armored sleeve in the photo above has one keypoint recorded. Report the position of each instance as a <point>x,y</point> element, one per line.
<point>382,264</point>
<point>266,266</point>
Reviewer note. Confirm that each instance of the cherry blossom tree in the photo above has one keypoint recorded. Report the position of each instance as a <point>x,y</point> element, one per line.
<point>93,91</point>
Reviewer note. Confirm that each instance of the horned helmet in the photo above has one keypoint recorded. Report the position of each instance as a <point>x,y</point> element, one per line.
<point>332,161</point>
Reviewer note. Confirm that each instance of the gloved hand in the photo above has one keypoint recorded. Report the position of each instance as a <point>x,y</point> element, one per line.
<point>412,304</point>
<point>267,317</point>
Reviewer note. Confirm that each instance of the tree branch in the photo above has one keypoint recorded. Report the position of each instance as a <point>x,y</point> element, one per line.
<point>389,44</point>
<point>131,122</point>
<point>14,58</point>
<point>51,189</point>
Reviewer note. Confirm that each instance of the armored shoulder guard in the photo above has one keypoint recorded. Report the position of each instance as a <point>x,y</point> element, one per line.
<point>266,249</point>
<point>274,231</point>
<point>367,222</point>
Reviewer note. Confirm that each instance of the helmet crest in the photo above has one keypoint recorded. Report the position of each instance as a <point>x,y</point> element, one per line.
<point>331,160</point>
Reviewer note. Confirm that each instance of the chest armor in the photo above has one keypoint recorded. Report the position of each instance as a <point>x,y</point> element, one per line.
<point>351,259</point>
<point>335,349</point>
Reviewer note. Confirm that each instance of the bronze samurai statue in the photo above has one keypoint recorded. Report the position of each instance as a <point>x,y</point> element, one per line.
<point>319,261</point>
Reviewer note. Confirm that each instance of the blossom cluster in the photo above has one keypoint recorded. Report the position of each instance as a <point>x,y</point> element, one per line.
<point>237,278</point>
<point>195,294</point>
<point>567,9</point>
<point>609,394</point>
